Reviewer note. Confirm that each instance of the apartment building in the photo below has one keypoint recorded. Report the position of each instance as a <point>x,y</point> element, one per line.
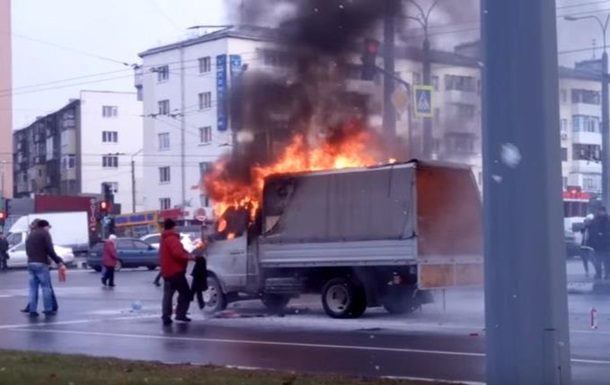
<point>90,141</point>
<point>6,146</point>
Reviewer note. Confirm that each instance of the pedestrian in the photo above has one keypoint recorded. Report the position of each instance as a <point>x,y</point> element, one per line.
<point>174,262</point>
<point>39,248</point>
<point>599,239</point>
<point>4,246</point>
<point>587,254</point>
<point>109,260</point>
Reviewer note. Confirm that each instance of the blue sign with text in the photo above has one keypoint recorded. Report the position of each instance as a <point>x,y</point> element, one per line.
<point>221,92</point>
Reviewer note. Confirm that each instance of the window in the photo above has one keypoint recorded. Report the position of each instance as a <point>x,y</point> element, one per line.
<point>124,244</point>
<point>164,141</point>
<point>162,73</point>
<point>139,245</point>
<point>164,107</point>
<point>589,152</point>
<point>205,100</point>
<point>460,83</point>
<point>110,161</point>
<point>68,162</point>
<point>463,110</point>
<point>586,97</point>
<point>165,203</point>
<point>564,96</point>
<point>110,136</point>
<point>164,174</point>
<point>591,183</point>
<point>205,134</point>
<point>114,187</point>
<point>205,64</point>
<point>582,123</point>
<point>110,111</point>
<point>204,168</point>
<point>564,154</point>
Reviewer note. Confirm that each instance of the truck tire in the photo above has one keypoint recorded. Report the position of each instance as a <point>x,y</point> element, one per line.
<point>343,298</point>
<point>275,302</point>
<point>215,299</point>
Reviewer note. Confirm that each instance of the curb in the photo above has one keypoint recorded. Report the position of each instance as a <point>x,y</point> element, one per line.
<point>580,287</point>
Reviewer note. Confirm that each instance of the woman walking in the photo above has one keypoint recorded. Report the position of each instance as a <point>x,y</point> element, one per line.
<point>109,261</point>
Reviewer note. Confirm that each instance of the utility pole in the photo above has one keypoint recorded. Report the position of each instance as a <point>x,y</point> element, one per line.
<point>2,193</point>
<point>423,19</point>
<point>389,112</point>
<point>133,185</point>
<point>605,124</point>
<point>182,129</point>
<point>527,334</point>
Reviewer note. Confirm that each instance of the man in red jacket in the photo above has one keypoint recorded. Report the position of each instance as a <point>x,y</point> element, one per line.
<point>109,259</point>
<point>174,261</point>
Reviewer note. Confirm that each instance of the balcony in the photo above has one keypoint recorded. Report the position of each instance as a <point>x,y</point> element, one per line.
<point>583,137</point>
<point>458,96</point>
<point>586,109</point>
<point>586,166</point>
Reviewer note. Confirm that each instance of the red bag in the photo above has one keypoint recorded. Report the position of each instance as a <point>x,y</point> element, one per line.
<point>62,272</point>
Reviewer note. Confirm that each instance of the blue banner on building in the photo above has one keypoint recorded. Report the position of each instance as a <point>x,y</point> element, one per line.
<point>235,65</point>
<point>221,92</point>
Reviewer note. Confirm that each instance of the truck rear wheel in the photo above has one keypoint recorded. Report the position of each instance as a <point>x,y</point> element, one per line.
<point>275,302</point>
<point>342,298</point>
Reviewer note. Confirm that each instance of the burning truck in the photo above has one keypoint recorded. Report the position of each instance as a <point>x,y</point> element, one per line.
<point>360,235</point>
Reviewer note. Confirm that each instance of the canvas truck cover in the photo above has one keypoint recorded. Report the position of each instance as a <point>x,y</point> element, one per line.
<point>340,206</point>
<point>449,227</point>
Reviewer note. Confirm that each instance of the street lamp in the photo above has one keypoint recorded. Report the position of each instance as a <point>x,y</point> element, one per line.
<point>423,18</point>
<point>133,180</point>
<point>605,107</point>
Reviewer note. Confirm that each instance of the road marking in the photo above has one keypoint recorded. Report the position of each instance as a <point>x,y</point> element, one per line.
<point>75,322</point>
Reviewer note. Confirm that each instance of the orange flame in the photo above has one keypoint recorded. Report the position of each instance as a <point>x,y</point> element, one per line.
<point>230,236</point>
<point>349,152</point>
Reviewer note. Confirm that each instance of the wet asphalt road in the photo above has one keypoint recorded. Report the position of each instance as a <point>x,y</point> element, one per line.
<point>443,341</point>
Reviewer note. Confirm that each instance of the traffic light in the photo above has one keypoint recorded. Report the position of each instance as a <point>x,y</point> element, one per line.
<point>104,208</point>
<point>107,192</point>
<point>369,59</point>
<point>2,217</point>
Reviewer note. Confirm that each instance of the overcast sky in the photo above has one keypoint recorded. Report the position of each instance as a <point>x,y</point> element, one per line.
<point>117,30</point>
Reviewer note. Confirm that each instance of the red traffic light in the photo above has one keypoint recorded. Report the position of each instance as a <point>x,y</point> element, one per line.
<point>372,46</point>
<point>104,206</point>
<point>2,215</point>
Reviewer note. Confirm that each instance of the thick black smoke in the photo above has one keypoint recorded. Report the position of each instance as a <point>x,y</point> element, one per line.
<point>316,43</point>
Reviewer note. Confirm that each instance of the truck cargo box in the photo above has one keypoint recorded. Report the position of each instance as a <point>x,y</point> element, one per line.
<point>424,214</point>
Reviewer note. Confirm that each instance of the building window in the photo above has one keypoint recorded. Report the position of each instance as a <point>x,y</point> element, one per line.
<point>110,111</point>
<point>582,123</point>
<point>165,203</point>
<point>68,162</point>
<point>205,134</point>
<point>586,97</point>
<point>588,152</point>
<point>564,154</point>
<point>164,174</point>
<point>205,64</point>
<point>460,83</point>
<point>164,141</point>
<point>564,96</point>
<point>204,168</point>
<point>591,183</point>
<point>205,100</point>
<point>164,107</point>
<point>463,110</point>
<point>162,73</point>
<point>110,136</point>
<point>114,187</point>
<point>110,161</point>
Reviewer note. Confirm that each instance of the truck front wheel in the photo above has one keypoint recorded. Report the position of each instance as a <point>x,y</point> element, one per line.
<point>342,298</point>
<point>215,299</point>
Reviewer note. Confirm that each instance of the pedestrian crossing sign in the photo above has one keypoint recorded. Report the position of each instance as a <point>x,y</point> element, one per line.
<point>423,101</point>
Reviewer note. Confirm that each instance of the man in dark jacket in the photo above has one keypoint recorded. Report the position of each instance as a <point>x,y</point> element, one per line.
<point>174,262</point>
<point>599,239</point>
<point>3,253</point>
<point>39,248</point>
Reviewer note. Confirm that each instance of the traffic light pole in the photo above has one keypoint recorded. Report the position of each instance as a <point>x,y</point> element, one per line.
<point>527,334</point>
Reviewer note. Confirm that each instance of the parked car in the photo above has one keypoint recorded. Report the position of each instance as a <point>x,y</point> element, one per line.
<point>18,258</point>
<point>133,253</point>
<point>572,235</point>
<point>187,240</point>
